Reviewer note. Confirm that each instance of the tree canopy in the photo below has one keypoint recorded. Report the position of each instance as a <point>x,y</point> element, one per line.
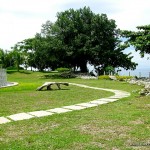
<point>139,39</point>
<point>76,38</point>
<point>88,37</point>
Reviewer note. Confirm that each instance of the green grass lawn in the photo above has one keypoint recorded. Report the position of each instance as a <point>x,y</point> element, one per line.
<point>121,125</point>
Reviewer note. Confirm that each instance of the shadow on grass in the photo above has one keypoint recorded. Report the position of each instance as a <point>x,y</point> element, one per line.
<point>54,90</point>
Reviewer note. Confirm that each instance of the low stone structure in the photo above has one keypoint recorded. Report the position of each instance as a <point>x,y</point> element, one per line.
<point>49,84</point>
<point>3,77</point>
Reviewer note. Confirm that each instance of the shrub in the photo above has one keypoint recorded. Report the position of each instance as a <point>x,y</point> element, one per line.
<point>119,78</point>
<point>62,69</point>
<point>123,78</point>
<point>60,75</point>
<point>67,75</point>
<point>106,77</point>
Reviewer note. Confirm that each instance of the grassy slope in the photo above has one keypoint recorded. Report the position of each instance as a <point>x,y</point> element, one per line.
<point>122,125</point>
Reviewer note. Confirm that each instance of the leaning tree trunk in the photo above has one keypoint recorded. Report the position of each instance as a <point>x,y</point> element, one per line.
<point>83,67</point>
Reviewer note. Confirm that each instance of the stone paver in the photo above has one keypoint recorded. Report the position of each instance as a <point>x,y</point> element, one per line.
<point>99,102</point>
<point>74,107</point>
<point>40,113</point>
<point>4,120</point>
<point>117,97</point>
<point>59,110</point>
<point>109,99</point>
<point>87,105</point>
<point>20,116</point>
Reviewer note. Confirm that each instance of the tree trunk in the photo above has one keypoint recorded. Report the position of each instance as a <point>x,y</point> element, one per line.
<point>18,66</point>
<point>83,67</point>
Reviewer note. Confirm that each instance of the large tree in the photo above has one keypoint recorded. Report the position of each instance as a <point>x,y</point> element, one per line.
<point>92,38</point>
<point>74,30</point>
<point>77,37</point>
<point>139,39</point>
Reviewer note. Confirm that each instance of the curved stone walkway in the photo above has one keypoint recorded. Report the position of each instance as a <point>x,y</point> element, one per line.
<point>22,116</point>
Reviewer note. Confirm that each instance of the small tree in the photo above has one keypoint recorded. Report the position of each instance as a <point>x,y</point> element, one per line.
<point>139,39</point>
<point>17,56</point>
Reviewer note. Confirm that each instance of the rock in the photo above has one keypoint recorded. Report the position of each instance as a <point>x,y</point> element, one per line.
<point>148,94</point>
<point>142,92</point>
<point>87,77</point>
<point>142,82</point>
<point>112,77</point>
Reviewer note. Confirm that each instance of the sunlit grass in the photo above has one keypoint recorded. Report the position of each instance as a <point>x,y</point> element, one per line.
<point>120,125</point>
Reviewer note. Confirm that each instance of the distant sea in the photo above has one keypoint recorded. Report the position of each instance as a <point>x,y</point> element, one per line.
<point>140,72</point>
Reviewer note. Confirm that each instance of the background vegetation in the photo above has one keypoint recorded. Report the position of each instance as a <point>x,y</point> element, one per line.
<point>76,38</point>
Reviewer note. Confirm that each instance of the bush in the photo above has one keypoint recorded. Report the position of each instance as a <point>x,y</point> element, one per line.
<point>62,69</point>
<point>106,77</point>
<point>123,78</point>
<point>67,75</point>
<point>119,78</point>
<point>63,75</point>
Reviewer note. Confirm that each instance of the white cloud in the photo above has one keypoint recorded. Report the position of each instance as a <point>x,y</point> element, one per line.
<point>23,18</point>
<point>132,13</point>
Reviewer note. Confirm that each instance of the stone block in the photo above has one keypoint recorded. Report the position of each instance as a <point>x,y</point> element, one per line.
<point>74,107</point>
<point>4,120</point>
<point>59,110</point>
<point>40,113</point>
<point>20,116</point>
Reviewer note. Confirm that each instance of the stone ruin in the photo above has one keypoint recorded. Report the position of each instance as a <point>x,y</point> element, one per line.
<point>3,77</point>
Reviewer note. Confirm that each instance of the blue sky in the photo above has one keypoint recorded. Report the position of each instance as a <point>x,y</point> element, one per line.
<point>21,19</point>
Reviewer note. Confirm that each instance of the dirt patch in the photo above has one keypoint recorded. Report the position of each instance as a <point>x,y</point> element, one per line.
<point>136,122</point>
<point>109,131</point>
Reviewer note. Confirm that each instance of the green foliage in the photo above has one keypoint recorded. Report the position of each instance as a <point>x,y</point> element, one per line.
<point>5,59</point>
<point>93,38</point>
<point>77,37</point>
<point>123,78</point>
<point>67,75</point>
<point>106,77</point>
<point>14,68</point>
<point>119,78</point>
<point>62,69</point>
<point>89,37</point>
<point>139,39</point>
<point>60,75</point>
<point>108,69</point>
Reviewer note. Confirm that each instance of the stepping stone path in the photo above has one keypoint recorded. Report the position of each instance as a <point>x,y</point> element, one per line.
<point>22,116</point>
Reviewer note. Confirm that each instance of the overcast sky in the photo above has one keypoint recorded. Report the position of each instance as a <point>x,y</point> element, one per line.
<point>21,19</point>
